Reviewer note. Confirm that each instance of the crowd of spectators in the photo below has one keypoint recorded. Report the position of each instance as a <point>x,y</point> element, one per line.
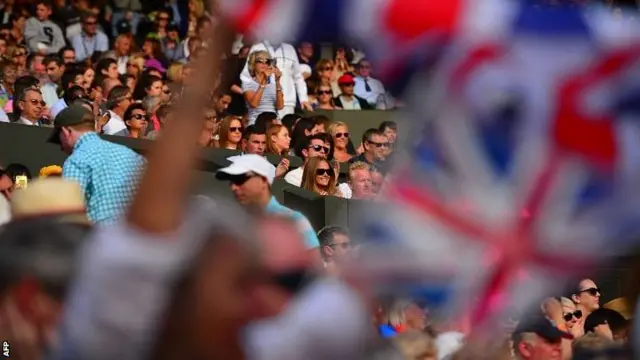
<point>210,279</point>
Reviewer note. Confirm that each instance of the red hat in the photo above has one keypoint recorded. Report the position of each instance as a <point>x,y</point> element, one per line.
<point>346,79</point>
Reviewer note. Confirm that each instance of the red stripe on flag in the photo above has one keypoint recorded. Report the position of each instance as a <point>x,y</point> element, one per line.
<point>251,15</point>
<point>577,130</point>
<point>410,19</point>
<point>477,57</point>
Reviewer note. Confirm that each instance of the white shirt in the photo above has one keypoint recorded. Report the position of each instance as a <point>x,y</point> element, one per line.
<point>294,177</point>
<point>25,121</point>
<point>114,125</point>
<point>287,61</point>
<point>57,107</point>
<point>122,64</point>
<point>345,189</point>
<point>375,85</point>
<point>49,94</point>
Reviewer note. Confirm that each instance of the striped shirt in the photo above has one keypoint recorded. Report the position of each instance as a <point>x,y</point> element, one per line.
<point>302,223</point>
<point>267,102</point>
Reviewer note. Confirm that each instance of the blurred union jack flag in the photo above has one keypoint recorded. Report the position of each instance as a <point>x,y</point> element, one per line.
<point>529,152</point>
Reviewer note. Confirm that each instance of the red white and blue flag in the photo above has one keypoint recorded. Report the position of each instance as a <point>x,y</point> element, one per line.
<point>527,151</point>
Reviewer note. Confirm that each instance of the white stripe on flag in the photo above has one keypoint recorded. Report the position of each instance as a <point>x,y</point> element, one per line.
<point>282,21</point>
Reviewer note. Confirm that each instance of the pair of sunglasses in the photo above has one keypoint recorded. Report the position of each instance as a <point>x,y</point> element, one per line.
<point>320,148</point>
<point>264,61</point>
<point>36,102</point>
<point>324,92</point>
<point>235,129</point>
<point>339,135</point>
<point>139,117</point>
<point>576,314</point>
<point>591,291</point>
<point>379,145</point>
<point>293,281</point>
<point>321,172</point>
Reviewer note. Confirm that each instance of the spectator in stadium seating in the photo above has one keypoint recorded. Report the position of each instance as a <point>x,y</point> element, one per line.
<point>251,177</point>
<point>22,83</point>
<point>406,315</point>
<point>162,114</point>
<point>335,245</point>
<point>290,121</point>
<point>31,108</point>
<point>55,68</point>
<point>326,76</point>
<point>313,146</point>
<point>304,127</point>
<point>320,177</point>
<point>207,135</point>
<point>16,169</point>
<point>284,58</point>
<point>586,297</point>
<point>263,91</point>
<point>120,53</point>
<point>136,121</point>
<point>171,45</point>
<point>416,345</point>
<point>33,290</point>
<point>278,140</point>
<point>91,42</point>
<point>609,323</point>
<point>359,183</point>
<point>9,76</point>
<point>377,180</point>
<point>107,172</point>
<point>117,104</point>
<point>221,101</point>
<point>367,87</point>
<point>68,55</point>
<point>135,65</point>
<point>375,146</point>
<point>390,130</point>
<point>537,338</point>
<point>230,133</point>
<point>148,85</point>
<point>42,35</point>
<point>340,133</point>
<point>266,120</point>
<point>347,99</point>
<point>324,99</point>
<point>254,140</point>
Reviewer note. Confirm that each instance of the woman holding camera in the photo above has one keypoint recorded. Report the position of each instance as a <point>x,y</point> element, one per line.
<point>264,93</point>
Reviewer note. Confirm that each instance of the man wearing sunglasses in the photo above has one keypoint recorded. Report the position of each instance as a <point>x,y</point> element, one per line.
<point>312,146</point>
<point>375,145</point>
<point>586,297</point>
<point>251,177</point>
<point>335,246</point>
<point>31,107</point>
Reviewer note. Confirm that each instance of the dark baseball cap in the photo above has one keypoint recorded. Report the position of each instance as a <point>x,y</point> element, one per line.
<point>72,115</point>
<point>542,327</point>
<point>614,319</point>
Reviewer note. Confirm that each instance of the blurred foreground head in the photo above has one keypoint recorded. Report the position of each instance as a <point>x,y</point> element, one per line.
<point>37,262</point>
<point>212,298</point>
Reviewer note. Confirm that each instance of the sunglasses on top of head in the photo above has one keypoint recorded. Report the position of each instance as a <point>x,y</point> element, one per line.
<point>576,314</point>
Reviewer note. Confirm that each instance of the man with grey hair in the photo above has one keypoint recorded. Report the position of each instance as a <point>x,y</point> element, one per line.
<point>37,262</point>
<point>117,103</point>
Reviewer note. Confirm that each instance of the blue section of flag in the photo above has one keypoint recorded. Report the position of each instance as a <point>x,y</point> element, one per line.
<point>497,137</point>
<point>324,20</point>
<point>597,189</point>
<point>628,103</point>
<point>556,22</point>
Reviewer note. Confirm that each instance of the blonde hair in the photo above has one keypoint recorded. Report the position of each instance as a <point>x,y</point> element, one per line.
<point>358,165</point>
<point>199,8</point>
<point>396,312</point>
<point>251,63</point>
<point>271,145</point>
<point>174,71</point>
<point>415,345</point>
<point>309,176</point>
<point>138,60</point>
<point>323,63</point>
<point>567,302</point>
<point>223,132</point>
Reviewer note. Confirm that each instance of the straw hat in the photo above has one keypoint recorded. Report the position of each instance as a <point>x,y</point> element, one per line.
<point>50,197</point>
<point>620,305</point>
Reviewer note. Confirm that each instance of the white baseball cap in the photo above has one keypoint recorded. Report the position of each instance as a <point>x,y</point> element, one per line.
<point>243,164</point>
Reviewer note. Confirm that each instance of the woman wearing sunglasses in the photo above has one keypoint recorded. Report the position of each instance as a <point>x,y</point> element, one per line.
<point>324,99</point>
<point>319,177</point>
<point>230,133</point>
<point>264,92</point>
<point>136,120</point>
<point>572,317</point>
<point>340,133</point>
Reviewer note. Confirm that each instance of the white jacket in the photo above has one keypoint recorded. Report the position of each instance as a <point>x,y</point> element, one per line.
<point>287,61</point>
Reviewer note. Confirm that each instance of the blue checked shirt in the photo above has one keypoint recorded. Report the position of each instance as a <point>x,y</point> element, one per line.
<point>302,223</point>
<point>108,174</point>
